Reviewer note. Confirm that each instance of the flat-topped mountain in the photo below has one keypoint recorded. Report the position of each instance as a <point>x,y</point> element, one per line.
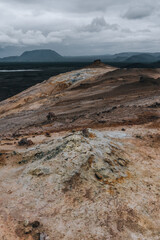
<point>42,55</point>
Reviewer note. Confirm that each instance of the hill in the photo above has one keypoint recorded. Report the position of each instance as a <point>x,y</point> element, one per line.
<point>79,157</point>
<point>142,58</point>
<point>42,55</point>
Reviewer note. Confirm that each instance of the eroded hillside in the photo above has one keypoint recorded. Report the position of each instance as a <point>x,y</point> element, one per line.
<point>79,157</point>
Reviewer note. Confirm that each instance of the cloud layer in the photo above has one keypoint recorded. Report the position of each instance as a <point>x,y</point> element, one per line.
<point>78,27</point>
<point>139,12</point>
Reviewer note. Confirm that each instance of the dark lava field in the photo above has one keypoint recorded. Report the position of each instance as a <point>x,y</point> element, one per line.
<point>16,77</point>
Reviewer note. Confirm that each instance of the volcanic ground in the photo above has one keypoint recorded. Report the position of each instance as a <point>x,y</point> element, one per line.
<point>79,157</point>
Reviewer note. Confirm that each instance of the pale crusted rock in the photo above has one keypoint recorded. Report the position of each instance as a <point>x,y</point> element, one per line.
<point>81,187</point>
<point>43,236</point>
<point>39,172</point>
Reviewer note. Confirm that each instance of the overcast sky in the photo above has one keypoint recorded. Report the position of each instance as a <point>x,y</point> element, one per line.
<point>79,27</point>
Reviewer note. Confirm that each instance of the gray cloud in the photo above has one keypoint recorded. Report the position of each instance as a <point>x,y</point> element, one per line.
<point>29,37</point>
<point>98,24</point>
<point>139,12</point>
<point>67,6</point>
<point>79,27</point>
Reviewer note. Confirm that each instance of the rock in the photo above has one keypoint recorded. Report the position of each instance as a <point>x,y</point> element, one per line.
<point>97,64</point>
<point>47,134</point>
<point>85,132</point>
<point>25,142</point>
<point>51,116</point>
<point>28,230</point>
<point>43,236</point>
<point>35,224</point>
<point>40,171</point>
<point>149,80</point>
<point>98,175</point>
<point>24,161</point>
<point>154,105</point>
<point>26,223</point>
<point>138,136</point>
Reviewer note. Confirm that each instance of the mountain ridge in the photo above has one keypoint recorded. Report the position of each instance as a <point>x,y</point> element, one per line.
<point>40,55</point>
<point>48,55</point>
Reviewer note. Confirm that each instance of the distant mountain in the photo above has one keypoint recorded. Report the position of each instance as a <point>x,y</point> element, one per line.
<point>128,57</point>
<point>46,55</point>
<point>120,57</point>
<point>43,55</point>
<point>126,54</point>
<point>142,58</point>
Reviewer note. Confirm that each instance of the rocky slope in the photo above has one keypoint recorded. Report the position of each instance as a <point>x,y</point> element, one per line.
<point>79,157</point>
